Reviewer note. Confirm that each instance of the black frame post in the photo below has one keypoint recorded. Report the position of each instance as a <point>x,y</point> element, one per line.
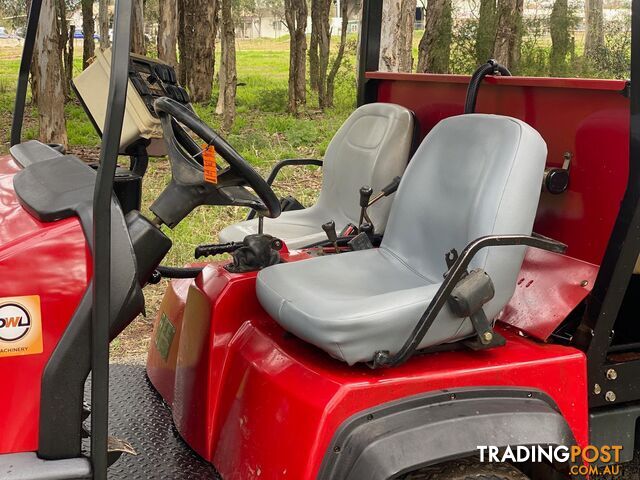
<point>101,314</point>
<point>369,52</point>
<point>25,69</point>
<point>595,332</point>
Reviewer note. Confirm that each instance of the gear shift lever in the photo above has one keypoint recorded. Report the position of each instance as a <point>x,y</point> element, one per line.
<point>365,196</point>
<point>330,229</point>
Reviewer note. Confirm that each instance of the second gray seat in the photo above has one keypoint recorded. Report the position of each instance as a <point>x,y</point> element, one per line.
<point>473,175</point>
<point>371,148</point>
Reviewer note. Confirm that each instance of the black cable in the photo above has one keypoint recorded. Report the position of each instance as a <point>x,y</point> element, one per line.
<point>179,272</point>
<point>490,68</point>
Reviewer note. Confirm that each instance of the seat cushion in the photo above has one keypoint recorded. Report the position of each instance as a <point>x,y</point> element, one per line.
<point>354,304</point>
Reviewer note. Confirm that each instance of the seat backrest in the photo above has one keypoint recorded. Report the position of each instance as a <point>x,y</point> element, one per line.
<point>371,148</point>
<point>473,175</point>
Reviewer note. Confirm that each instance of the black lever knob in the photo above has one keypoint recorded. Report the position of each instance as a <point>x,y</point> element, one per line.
<point>368,229</point>
<point>392,187</point>
<point>330,229</point>
<point>556,180</point>
<point>365,196</point>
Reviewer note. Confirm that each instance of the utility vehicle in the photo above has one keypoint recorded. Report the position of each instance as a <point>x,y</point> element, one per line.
<point>478,290</point>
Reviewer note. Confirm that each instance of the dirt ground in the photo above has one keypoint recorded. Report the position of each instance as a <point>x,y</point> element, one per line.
<point>130,347</point>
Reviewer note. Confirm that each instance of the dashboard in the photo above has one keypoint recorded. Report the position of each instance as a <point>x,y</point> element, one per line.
<point>149,79</point>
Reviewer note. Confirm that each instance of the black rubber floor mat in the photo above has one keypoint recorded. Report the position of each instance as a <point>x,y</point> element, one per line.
<point>140,416</point>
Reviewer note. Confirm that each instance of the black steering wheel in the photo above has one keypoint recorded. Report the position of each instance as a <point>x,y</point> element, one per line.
<point>188,187</point>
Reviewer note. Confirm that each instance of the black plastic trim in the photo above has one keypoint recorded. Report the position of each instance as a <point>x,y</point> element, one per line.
<point>615,426</point>
<point>52,190</point>
<point>407,434</point>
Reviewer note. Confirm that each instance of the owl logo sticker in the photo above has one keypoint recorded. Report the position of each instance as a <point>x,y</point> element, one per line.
<point>20,326</point>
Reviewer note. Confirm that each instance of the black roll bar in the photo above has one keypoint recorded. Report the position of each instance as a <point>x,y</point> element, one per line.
<point>101,317</point>
<point>369,52</point>
<point>23,74</point>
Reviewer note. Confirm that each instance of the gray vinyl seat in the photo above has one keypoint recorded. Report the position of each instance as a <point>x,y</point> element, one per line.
<point>473,175</point>
<point>370,148</point>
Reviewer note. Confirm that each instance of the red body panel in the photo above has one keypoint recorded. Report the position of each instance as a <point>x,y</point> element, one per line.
<point>588,118</point>
<point>46,259</point>
<point>549,287</point>
<point>251,398</point>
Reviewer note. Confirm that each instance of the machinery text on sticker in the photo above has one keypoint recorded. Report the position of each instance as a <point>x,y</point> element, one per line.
<point>20,326</point>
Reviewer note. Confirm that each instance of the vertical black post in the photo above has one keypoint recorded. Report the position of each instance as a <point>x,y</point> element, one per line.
<point>25,68</point>
<point>369,54</point>
<point>101,313</point>
<point>594,333</point>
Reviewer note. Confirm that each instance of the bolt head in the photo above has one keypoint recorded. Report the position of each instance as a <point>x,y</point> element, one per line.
<point>610,396</point>
<point>597,389</point>
<point>487,337</point>
<point>612,374</point>
<point>584,283</point>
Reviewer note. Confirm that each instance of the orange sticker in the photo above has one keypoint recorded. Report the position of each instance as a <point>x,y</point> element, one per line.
<point>209,161</point>
<point>20,326</point>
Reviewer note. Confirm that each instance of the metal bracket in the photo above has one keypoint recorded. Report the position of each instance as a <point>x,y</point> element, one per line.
<point>453,276</point>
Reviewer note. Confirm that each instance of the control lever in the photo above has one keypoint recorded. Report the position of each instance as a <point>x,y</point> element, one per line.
<point>365,196</point>
<point>366,201</point>
<point>556,180</point>
<point>367,229</point>
<point>330,229</point>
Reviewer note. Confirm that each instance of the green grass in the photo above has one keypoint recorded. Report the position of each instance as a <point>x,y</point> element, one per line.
<point>263,133</point>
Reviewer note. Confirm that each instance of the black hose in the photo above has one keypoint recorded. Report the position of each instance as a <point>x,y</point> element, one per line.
<point>490,68</point>
<point>179,272</point>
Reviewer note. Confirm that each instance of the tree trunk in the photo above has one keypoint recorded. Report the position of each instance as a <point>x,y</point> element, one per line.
<point>486,33</point>
<point>396,40</point>
<point>323,27</point>
<point>137,28</point>
<point>331,79</point>
<point>196,38</point>
<point>313,44</point>
<point>227,73</point>
<point>63,40</point>
<point>296,20</point>
<point>508,33</point>
<point>88,31</point>
<point>435,45</point>
<point>182,43</point>
<point>594,31</point>
<point>103,21</point>
<point>49,78</point>
<point>560,37</point>
<point>168,31</point>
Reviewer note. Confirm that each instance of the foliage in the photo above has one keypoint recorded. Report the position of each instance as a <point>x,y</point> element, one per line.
<point>463,46</point>
<point>614,58</point>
